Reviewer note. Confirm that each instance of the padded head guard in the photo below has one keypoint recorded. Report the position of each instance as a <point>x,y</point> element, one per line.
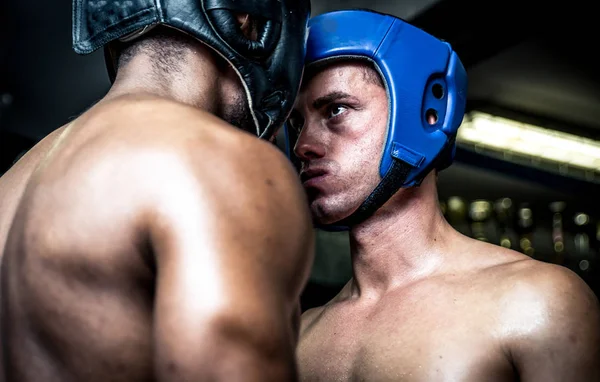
<point>270,67</point>
<point>423,77</point>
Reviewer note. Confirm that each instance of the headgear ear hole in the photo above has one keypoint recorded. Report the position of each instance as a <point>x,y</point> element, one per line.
<point>438,91</point>
<point>268,31</point>
<point>431,116</point>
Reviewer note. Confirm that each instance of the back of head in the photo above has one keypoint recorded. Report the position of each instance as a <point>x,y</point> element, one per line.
<point>270,67</point>
<point>167,49</point>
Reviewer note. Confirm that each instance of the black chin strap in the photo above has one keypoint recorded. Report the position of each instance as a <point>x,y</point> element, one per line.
<point>389,185</point>
<point>393,180</point>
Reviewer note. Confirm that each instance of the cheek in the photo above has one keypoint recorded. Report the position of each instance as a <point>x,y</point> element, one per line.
<point>231,87</point>
<point>364,147</point>
<point>359,161</point>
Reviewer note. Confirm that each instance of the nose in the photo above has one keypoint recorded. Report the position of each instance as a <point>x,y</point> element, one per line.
<point>310,144</point>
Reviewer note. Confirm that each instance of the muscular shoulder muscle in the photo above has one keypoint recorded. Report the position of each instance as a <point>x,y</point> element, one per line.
<point>14,181</point>
<point>233,244</point>
<point>12,186</point>
<point>554,325</point>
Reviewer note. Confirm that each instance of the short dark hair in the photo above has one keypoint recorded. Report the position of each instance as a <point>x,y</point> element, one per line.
<point>372,76</point>
<point>165,46</point>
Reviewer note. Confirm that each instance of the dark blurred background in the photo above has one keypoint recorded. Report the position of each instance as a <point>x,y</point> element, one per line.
<point>530,63</point>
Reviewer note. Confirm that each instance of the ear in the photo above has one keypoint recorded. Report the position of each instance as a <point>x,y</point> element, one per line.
<point>259,38</point>
<point>246,26</point>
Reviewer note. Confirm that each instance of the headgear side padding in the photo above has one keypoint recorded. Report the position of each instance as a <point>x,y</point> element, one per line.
<point>423,78</point>
<point>269,67</point>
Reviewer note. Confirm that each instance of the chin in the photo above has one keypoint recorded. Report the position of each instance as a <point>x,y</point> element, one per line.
<point>324,213</point>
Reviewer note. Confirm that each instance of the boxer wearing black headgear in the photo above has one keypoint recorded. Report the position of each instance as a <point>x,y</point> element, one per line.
<point>149,239</point>
<point>377,115</point>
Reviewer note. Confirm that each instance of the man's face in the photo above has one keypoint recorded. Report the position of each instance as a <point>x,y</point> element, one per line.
<point>342,114</point>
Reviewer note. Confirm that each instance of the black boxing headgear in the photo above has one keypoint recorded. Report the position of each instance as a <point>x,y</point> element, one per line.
<point>270,67</point>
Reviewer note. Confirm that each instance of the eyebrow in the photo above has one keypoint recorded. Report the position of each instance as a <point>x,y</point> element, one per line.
<point>332,97</point>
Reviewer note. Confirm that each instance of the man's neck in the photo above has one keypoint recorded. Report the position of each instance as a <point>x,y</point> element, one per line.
<point>405,240</point>
<point>195,82</point>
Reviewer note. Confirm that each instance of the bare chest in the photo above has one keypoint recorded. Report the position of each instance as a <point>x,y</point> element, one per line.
<point>396,342</point>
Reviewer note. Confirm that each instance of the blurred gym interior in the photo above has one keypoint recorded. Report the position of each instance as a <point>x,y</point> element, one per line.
<point>527,168</point>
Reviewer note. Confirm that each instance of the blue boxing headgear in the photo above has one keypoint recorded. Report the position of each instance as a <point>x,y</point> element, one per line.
<point>423,77</point>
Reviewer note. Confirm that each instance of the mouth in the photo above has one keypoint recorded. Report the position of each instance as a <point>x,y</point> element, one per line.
<point>312,176</point>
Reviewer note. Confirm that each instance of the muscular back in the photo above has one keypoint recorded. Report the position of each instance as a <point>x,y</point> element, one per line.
<point>139,242</point>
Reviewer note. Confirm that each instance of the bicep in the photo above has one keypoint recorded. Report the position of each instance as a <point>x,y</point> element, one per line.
<point>229,270</point>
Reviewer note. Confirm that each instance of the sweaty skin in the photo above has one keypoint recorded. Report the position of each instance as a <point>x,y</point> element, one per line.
<point>425,303</point>
<point>499,318</point>
<point>151,241</point>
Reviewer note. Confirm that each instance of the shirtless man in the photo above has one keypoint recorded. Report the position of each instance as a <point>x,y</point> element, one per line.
<point>425,303</point>
<point>149,239</point>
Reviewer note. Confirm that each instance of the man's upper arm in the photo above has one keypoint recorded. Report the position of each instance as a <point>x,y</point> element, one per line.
<point>233,245</point>
<point>561,339</point>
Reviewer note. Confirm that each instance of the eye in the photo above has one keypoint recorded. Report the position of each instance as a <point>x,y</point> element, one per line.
<point>336,110</point>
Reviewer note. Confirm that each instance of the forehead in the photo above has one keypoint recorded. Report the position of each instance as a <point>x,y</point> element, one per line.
<point>355,78</point>
<point>345,76</point>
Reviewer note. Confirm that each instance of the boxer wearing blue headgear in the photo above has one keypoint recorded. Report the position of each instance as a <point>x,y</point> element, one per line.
<point>156,237</point>
<point>378,110</point>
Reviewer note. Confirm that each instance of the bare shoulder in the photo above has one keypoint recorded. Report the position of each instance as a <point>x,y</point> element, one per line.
<point>14,181</point>
<point>191,163</point>
<point>22,169</point>
<point>177,141</point>
<point>238,169</point>
<point>526,291</point>
<point>545,317</point>
<point>557,287</point>
<point>309,318</point>
<point>312,316</point>
<point>516,278</point>
<point>546,306</point>
<point>508,271</point>
<point>154,157</point>
<point>195,135</point>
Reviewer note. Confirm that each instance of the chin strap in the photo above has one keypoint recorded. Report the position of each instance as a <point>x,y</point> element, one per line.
<point>389,185</point>
<point>405,160</point>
